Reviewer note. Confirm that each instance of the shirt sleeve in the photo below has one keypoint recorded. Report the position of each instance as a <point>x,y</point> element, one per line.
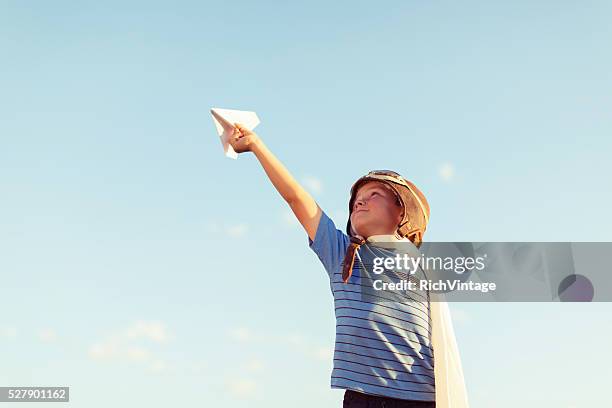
<point>329,244</point>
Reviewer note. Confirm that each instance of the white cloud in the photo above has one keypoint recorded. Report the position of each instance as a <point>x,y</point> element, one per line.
<point>158,366</point>
<point>254,365</point>
<point>237,231</point>
<point>124,345</point>
<point>323,353</point>
<point>446,171</point>
<point>136,353</point>
<point>242,387</point>
<point>313,184</point>
<point>153,330</point>
<point>104,350</point>
<point>241,334</point>
<point>8,332</point>
<point>47,335</point>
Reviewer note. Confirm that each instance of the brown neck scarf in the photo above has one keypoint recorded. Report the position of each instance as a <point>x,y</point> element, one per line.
<point>349,258</point>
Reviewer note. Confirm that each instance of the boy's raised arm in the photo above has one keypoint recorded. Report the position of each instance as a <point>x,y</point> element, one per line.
<point>301,202</point>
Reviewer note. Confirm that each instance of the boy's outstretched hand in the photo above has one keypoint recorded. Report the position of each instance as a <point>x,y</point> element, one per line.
<point>243,139</point>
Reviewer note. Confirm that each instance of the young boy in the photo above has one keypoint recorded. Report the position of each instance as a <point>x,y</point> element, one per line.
<point>383,353</point>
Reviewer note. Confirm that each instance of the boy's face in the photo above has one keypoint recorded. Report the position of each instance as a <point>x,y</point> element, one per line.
<point>375,210</point>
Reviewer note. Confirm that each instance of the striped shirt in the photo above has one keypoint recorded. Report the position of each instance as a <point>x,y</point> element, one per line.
<point>383,344</point>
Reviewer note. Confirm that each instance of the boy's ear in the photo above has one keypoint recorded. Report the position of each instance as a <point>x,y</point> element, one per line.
<point>400,216</point>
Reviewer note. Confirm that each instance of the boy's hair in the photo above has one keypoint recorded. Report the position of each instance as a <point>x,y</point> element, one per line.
<point>416,208</point>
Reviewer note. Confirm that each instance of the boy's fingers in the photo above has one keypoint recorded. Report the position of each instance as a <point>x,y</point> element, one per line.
<point>241,127</point>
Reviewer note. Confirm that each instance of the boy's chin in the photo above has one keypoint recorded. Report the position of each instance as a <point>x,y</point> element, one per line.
<point>358,231</point>
<point>366,232</point>
<point>363,232</point>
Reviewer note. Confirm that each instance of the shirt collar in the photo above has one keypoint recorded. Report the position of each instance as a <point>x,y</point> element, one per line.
<point>390,241</point>
<point>386,238</point>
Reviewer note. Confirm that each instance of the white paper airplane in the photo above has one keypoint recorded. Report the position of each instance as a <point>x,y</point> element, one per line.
<point>224,120</point>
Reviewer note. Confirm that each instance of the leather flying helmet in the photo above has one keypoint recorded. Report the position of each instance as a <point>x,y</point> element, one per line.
<point>414,219</point>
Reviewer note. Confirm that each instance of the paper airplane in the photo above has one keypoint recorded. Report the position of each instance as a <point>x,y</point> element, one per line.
<point>224,120</point>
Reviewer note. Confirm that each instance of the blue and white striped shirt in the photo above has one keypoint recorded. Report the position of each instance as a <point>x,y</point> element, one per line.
<point>383,347</point>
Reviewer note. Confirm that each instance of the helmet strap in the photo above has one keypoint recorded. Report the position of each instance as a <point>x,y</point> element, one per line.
<point>406,230</point>
<point>349,257</point>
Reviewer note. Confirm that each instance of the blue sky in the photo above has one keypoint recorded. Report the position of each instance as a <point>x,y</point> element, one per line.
<point>139,265</point>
